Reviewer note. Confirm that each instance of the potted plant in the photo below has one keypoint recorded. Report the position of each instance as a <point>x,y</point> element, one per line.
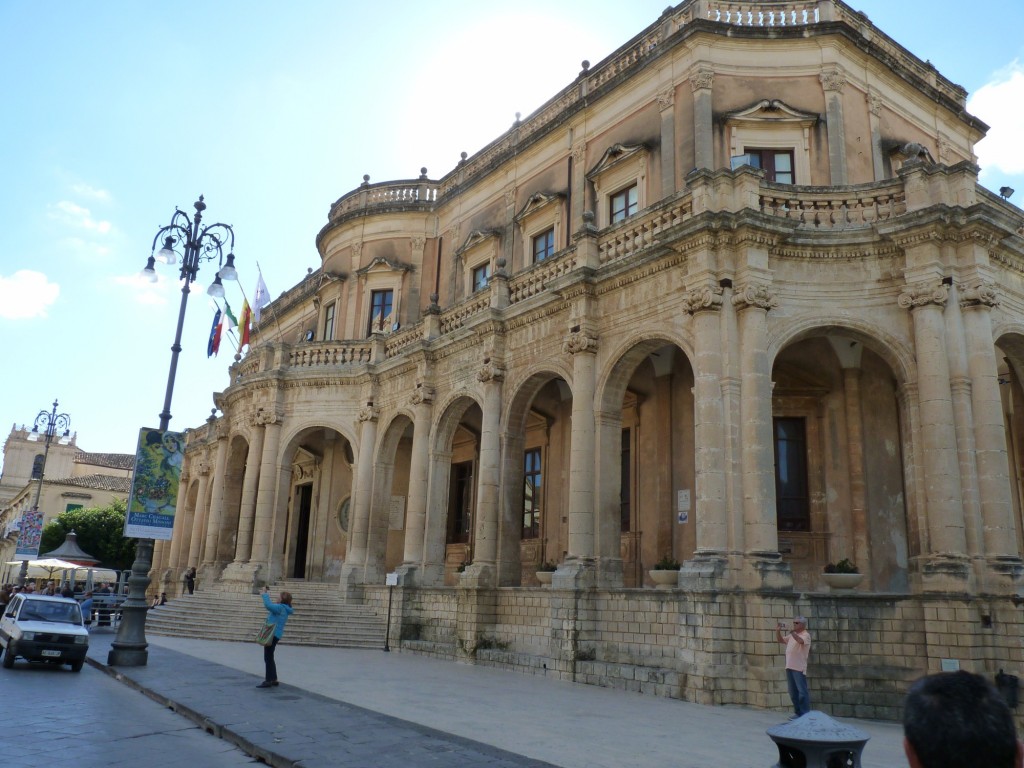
<point>842,576</point>
<point>665,572</point>
<point>544,572</point>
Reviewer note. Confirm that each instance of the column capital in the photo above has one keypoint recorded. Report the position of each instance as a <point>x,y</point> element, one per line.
<point>701,79</point>
<point>833,79</point>
<point>490,371</point>
<point>423,393</point>
<point>708,297</point>
<point>979,295</point>
<point>201,468</point>
<point>923,294</point>
<point>369,413</point>
<point>580,341</point>
<point>754,295</point>
<point>666,99</point>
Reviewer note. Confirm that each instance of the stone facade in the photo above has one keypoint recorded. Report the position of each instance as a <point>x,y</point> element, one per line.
<point>573,348</point>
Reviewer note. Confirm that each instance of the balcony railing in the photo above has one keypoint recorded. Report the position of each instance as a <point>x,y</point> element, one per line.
<point>834,208</point>
<point>330,354</point>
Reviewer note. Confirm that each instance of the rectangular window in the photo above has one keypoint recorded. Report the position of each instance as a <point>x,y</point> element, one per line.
<point>380,311</point>
<point>69,507</point>
<point>531,493</point>
<point>480,276</point>
<point>792,501</point>
<point>625,488</point>
<point>622,204</point>
<point>544,245</point>
<point>460,503</point>
<point>329,322</point>
<point>777,163</point>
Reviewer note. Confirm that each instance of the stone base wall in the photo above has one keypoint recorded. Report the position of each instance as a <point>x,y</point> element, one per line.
<point>719,647</point>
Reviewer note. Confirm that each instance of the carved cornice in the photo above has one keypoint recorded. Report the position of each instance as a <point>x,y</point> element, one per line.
<point>490,371</point>
<point>580,341</point>
<point>923,294</point>
<point>707,298</point>
<point>754,295</point>
<point>980,295</point>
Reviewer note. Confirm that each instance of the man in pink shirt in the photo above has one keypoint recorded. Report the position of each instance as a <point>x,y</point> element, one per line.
<point>798,648</point>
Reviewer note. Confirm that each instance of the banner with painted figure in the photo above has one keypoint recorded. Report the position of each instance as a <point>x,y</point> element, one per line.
<point>155,485</point>
<point>29,535</point>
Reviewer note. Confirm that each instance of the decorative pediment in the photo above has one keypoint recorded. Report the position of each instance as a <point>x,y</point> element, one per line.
<point>538,202</point>
<point>771,111</point>
<point>383,265</point>
<point>479,239</point>
<point>616,155</point>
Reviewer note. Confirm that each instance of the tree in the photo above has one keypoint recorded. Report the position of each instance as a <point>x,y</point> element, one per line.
<point>100,532</point>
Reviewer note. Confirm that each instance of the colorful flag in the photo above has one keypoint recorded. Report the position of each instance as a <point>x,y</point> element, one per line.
<point>214,343</point>
<point>245,324</point>
<point>232,320</point>
<point>260,298</point>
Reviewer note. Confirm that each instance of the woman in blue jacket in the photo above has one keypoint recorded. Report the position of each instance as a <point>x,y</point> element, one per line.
<point>278,614</point>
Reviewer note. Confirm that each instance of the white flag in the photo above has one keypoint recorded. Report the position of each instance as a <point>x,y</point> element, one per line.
<point>260,298</point>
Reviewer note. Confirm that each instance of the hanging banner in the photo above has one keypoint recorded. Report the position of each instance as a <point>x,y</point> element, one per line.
<point>29,535</point>
<point>155,485</point>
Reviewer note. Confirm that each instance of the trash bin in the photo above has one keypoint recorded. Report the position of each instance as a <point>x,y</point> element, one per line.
<point>1008,687</point>
<point>817,741</point>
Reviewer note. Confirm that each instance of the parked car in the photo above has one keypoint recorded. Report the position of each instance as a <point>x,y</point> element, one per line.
<point>45,629</point>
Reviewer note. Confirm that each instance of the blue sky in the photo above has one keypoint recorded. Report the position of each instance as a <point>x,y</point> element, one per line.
<point>116,112</point>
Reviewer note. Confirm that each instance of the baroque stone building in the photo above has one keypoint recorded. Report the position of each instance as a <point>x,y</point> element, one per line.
<point>735,297</point>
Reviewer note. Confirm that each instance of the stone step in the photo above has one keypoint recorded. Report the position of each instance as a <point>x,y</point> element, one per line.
<point>234,616</point>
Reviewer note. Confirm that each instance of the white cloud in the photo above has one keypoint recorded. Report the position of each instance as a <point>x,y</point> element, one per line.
<point>75,215</point>
<point>26,294</point>
<point>1000,103</point>
<point>86,248</point>
<point>84,190</point>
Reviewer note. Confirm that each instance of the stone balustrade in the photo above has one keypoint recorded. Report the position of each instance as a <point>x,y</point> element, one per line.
<point>643,231</point>
<point>457,316</point>
<point>330,353</point>
<point>536,279</point>
<point>829,208</point>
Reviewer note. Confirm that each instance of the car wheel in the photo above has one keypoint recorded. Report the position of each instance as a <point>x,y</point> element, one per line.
<point>8,658</point>
<point>76,666</point>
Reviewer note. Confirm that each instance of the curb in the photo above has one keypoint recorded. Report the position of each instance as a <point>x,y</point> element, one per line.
<point>268,757</point>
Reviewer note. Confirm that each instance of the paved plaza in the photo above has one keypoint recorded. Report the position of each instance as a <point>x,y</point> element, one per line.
<point>340,707</point>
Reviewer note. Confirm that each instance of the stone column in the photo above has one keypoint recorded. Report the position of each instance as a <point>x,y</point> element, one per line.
<point>419,464</point>
<point>353,572</point>
<point>182,522</point>
<point>666,104</point>
<point>579,186</point>
<point>874,114</point>
<point>944,563</point>
<point>266,495</point>
<point>764,566</point>
<point>247,510</point>
<point>999,529</point>
<point>855,447</point>
<point>709,423</point>
<point>213,531</point>
<point>199,520</point>
<point>482,572</point>
<point>703,119</point>
<point>832,81</point>
<point>583,348</point>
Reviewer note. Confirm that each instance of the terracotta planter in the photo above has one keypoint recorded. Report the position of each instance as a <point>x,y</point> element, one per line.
<point>842,582</point>
<point>544,577</point>
<point>665,579</point>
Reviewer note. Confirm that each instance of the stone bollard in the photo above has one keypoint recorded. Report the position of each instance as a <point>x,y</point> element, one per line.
<point>815,740</point>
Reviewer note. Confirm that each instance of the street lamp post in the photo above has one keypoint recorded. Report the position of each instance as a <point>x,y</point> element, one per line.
<point>200,243</point>
<point>50,422</point>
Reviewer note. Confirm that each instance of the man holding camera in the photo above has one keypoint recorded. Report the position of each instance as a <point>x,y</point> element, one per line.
<point>798,648</point>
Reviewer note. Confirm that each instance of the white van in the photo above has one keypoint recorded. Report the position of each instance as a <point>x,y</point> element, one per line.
<point>43,628</point>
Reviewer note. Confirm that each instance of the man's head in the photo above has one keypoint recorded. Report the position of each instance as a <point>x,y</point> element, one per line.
<point>799,623</point>
<point>959,720</point>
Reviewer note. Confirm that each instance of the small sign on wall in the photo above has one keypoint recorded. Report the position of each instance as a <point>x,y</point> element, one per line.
<point>683,505</point>
<point>950,665</point>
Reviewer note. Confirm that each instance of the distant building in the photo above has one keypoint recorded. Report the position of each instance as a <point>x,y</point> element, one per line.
<point>732,297</point>
<point>72,479</point>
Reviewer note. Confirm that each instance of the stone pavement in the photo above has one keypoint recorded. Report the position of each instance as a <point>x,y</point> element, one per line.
<point>343,707</point>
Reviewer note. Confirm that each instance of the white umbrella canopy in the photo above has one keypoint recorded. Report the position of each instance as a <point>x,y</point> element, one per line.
<point>49,567</point>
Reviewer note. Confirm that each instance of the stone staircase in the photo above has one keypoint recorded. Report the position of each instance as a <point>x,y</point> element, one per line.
<point>321,617</point>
